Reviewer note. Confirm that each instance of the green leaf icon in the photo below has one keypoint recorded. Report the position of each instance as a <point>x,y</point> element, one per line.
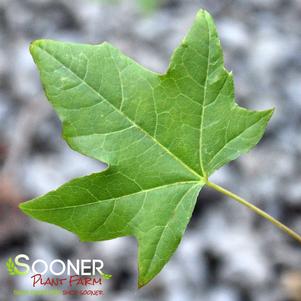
<point>105,276</point>
<point>11,268</point>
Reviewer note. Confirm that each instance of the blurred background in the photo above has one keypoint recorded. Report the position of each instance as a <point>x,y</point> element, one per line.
<point>227,253</point>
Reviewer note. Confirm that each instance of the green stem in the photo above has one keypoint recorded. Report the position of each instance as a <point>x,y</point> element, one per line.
<point>256,210</point>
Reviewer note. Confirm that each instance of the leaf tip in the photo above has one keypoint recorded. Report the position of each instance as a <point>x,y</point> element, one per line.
<point>21,206</point>
<point>106,44</point>
<point>141,284</point>
<point>270,112</point>
<point>202,13</point>
<point>24,207</point>
<point>143,279</point>
<point>36,43</point>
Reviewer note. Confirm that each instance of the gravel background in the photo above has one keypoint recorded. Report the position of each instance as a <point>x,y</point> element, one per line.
<point>228,253</point>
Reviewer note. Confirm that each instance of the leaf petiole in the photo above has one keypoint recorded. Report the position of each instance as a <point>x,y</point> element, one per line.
<point>260,212</point>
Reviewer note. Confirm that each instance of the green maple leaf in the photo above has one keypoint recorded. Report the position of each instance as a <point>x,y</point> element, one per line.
<point>162,136</point>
